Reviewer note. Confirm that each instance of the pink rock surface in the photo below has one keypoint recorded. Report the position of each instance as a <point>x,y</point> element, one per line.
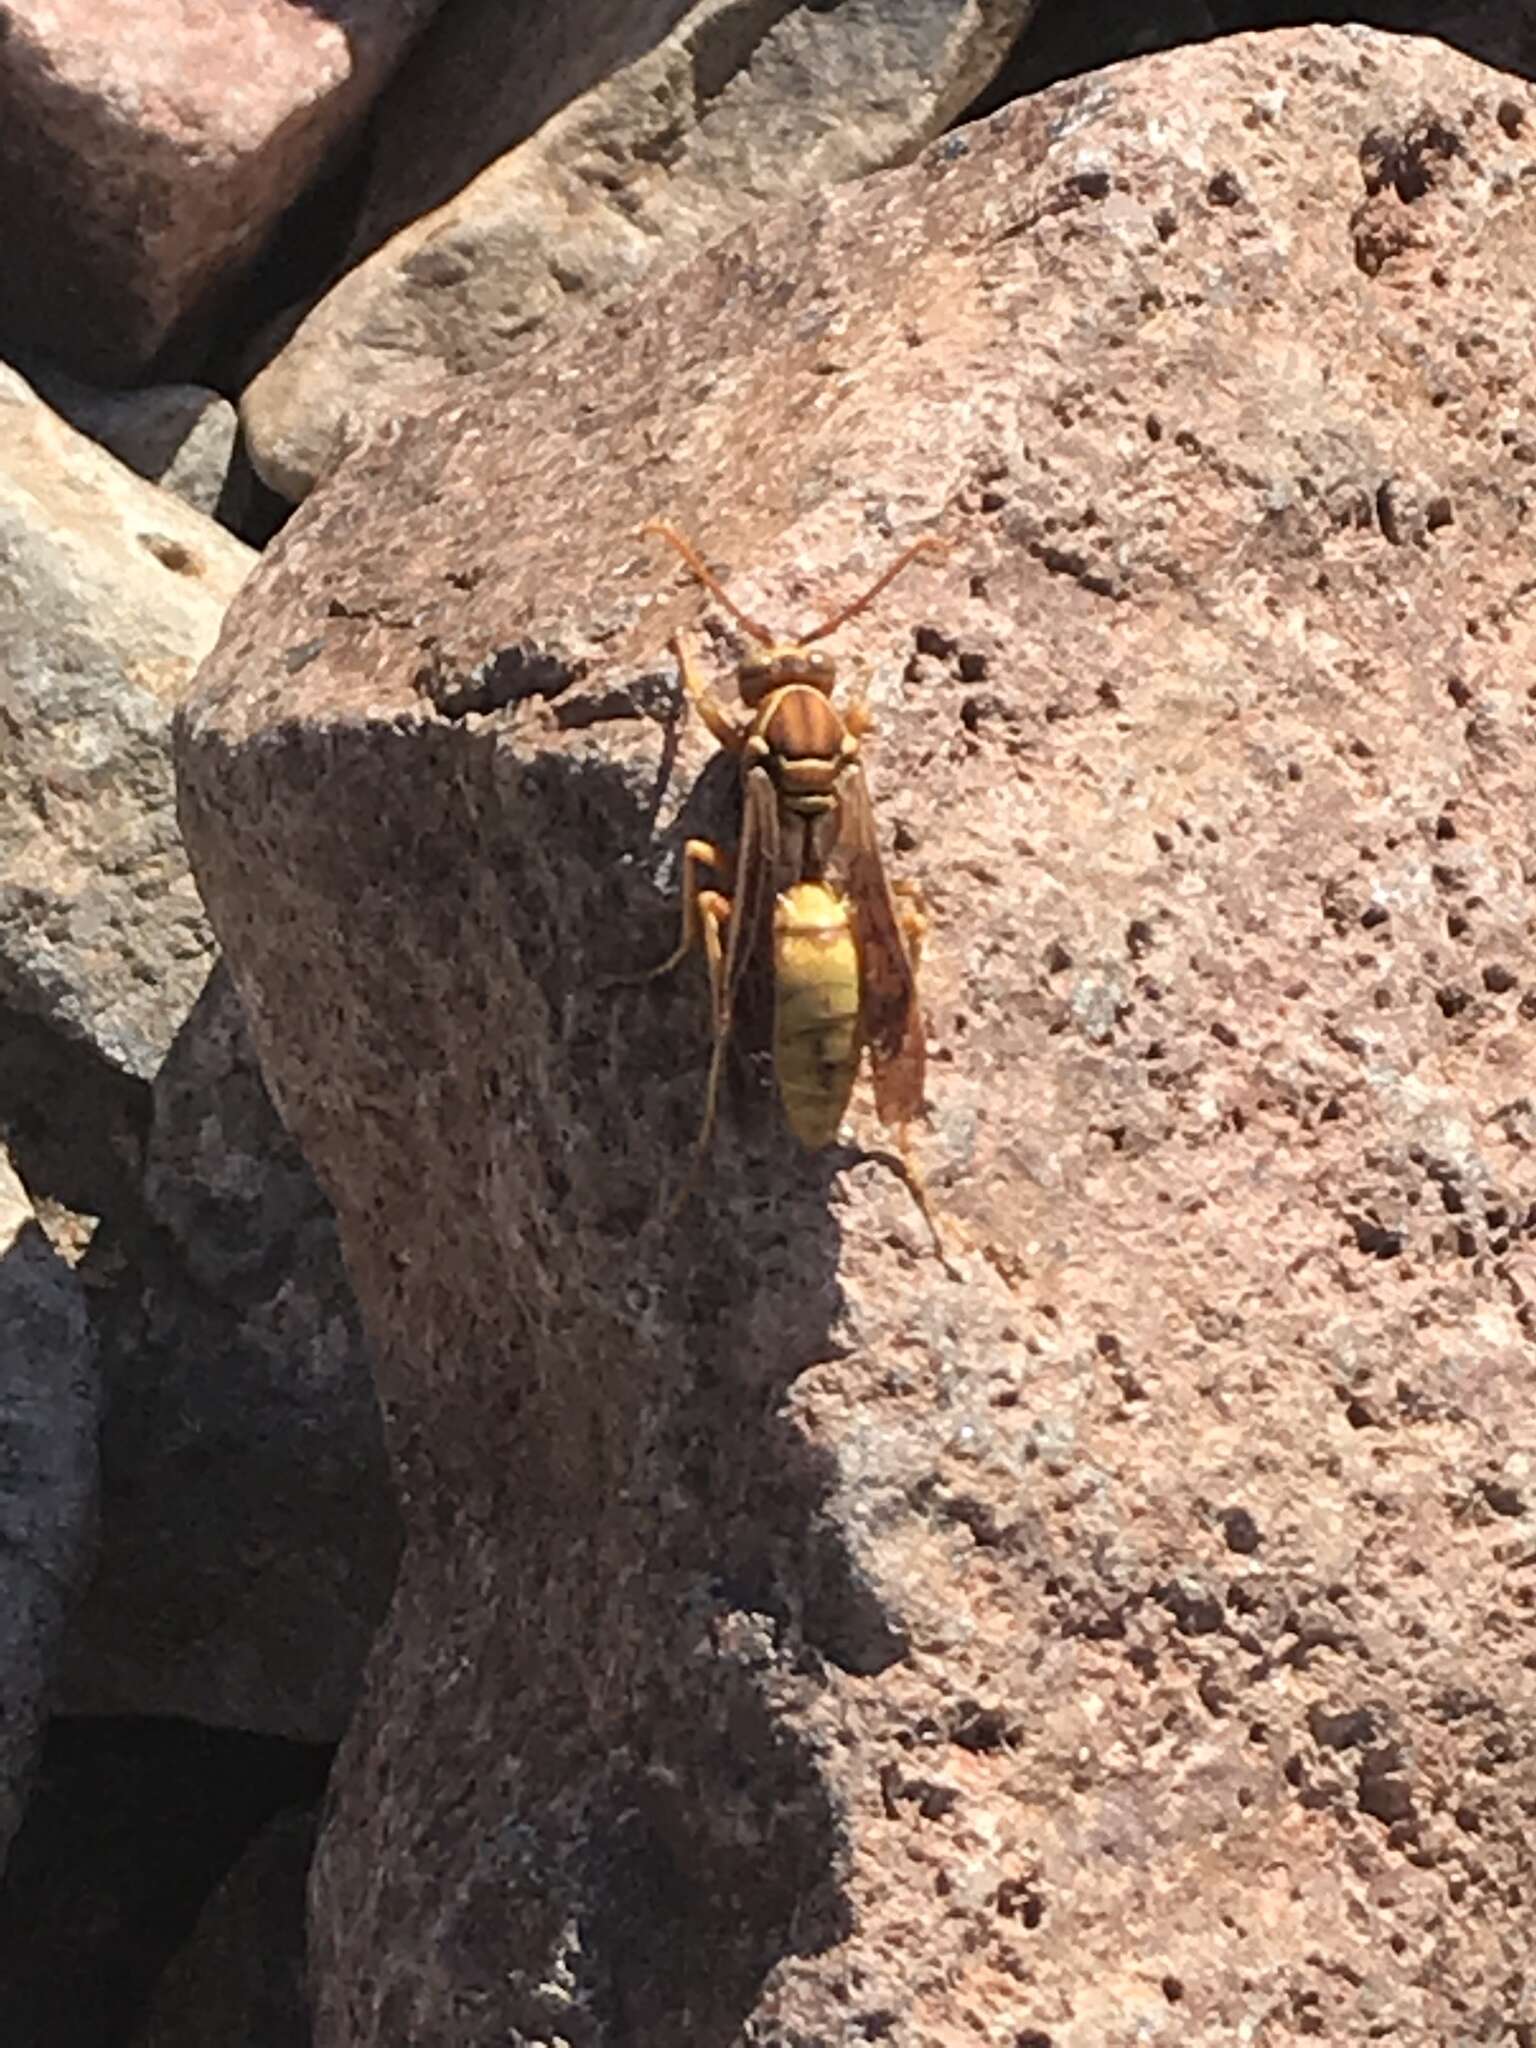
<point>142,164</point>
<point>1132,1639</point>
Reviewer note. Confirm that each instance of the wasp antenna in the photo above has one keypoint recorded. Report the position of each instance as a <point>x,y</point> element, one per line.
<point>927,544</point>
<point>707,577</point>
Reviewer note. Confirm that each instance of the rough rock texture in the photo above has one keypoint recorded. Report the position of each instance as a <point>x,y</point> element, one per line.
<point>139,173</point>
<point>1066,38</point>
<point>49,1398</point>
<point>181,436</point>
<point>1133,1639</point>
<point>482,78</point>
<point>240,1979</point>
<point>111,592</point>
<point>248,1532</point>
<point>741,103</point>
<point>249,1535</point>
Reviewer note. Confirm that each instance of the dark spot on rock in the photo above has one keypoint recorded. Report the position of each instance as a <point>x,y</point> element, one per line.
<point>296,658</point>
<point>1194,1608</point>
<point>1154,427</point>
<point>1511,117</point>
<point>972,666</point>
<point>1373,915</point>
<point>172,554</point>
<point>1375,1238</point>
<point>1503,1498</point>
<point>508,676</point>
<point>1057,958</point>
<point>1499,980</point>
<point>1383,1790</point>
<point>1452,1001</point>
<point>1224,190</point>
<point>1346,1728</point>
<point>1445,826</point>
<point>929,640</point>
<point>981,1729</point>
<point>1459,691</point>
<point>1166,221</point>
<point>1092,184</point>
<point>1173,1990</point>
<point>1139,938</point>
<point>1240,1530</point>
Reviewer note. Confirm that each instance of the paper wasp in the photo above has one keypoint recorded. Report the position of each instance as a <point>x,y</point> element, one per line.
<point>806,879</point>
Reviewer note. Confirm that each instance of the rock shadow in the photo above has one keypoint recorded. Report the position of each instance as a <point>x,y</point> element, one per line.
<point>594,1721</point>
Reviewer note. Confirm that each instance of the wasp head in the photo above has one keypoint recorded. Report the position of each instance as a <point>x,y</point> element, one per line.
<point>776,668</point>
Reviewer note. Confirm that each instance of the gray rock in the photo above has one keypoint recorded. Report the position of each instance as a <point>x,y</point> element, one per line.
<point>111,592</point>
<point>180,436</point>
<point>483,78</point>
<point>248,1531</point>
<point>740,104</point>
<point>49,1403</point>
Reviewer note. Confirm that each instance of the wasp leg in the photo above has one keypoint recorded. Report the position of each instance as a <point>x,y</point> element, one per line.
<point>912,916</point>
<point>712,912</point>
<point>858,718</point>
<point>724,729</point>
<point>697,853</point>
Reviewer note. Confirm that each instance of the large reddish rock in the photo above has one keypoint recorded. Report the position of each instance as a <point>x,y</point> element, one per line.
<point>141,170</point>
<point>1128,1632</point>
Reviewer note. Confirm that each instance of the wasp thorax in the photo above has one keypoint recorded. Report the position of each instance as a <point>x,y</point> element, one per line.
<point>777,667</point>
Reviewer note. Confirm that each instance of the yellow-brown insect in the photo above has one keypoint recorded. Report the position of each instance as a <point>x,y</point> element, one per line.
<point>843,950</point>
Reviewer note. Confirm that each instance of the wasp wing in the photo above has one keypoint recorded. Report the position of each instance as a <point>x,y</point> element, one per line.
<point>888,1007</point>
<point>757,864</point>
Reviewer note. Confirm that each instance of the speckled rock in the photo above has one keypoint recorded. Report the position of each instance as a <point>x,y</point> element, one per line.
<point>248,1532</point>
<point>741,103</point>
<point>181,436</point>
<point>484,78</point>
<point>139,174</point>
<point>1126,1633</point>
<point>50,1396</point>
<point>111,592</point>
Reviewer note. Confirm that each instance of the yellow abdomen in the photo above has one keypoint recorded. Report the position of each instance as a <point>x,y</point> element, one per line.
<point>816,1009</point>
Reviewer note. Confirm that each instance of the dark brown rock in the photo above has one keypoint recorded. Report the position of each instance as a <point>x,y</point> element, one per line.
<point>1128,1639</point>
